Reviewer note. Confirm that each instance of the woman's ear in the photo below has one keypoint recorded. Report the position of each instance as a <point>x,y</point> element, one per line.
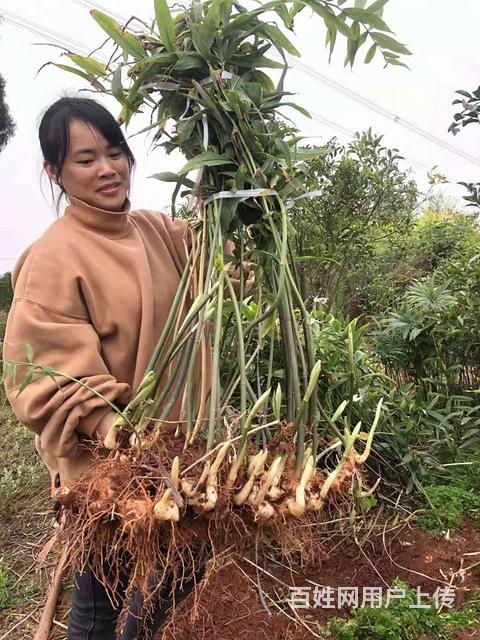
<point>51,172</point>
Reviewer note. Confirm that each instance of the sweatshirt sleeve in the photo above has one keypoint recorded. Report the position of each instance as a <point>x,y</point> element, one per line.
<point>59,411</point>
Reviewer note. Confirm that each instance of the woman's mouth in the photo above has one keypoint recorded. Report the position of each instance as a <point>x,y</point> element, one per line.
<point>110,189</point>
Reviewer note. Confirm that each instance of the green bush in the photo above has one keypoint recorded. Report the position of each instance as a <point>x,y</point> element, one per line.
<point>441,235</point>
<point>420,429</point>
<point>3,323</point>
<point>433,336</point>
<point>399,621</point>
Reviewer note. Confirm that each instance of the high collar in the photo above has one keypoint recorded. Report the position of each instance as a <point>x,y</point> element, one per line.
<point>115,224</point>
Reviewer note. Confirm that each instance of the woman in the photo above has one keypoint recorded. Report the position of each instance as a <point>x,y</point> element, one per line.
<point>91,297</point>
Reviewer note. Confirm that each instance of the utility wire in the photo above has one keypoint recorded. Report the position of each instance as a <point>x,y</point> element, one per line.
<point>304,68</point>
<point>310,71</point>
<point>99,7</point>
<point>56,38</point>
<point>62,41</point>
<point>351,133</point>
<point>121,19</point>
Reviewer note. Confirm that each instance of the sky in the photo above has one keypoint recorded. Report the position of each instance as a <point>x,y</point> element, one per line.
<point>445,58</point>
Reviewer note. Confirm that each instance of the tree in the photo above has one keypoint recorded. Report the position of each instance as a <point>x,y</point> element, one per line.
<point>6,292</point>
<point>469,114</point>
<point>7,125</point>
<point>362,198</point>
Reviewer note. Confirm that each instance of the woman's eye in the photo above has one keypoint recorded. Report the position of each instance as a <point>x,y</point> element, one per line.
<point>84,161</point>
<point>116,155</point>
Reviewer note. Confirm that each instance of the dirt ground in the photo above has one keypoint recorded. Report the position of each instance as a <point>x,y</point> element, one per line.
<point>244,601</point>
<point>230,606</point>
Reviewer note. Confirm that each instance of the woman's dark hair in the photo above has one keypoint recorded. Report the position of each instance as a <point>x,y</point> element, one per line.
<point>54,130</point>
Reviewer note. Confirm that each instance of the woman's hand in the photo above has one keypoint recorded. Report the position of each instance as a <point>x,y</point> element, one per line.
<point>104,425</point>
<point>235,275</point>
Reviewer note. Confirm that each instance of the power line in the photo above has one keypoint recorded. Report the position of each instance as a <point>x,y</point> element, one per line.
<point>349,93</point>
<point>62,40</point>
<point>56,38</point>
<point>331,124</point>
<point>119,18</point>
<point>99,7</point>
<point>310,71</point>
<point>351,133</point>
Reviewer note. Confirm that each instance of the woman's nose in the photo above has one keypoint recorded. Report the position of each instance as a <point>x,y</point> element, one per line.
<point>106,166</point>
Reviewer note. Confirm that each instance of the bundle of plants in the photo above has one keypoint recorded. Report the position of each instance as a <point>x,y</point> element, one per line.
<point>252,451</point>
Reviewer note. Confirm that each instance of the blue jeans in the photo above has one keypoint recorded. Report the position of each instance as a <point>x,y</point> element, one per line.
<point>93,617</point>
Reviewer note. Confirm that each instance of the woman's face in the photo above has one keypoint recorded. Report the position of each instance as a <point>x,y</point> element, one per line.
<point>94,171</point>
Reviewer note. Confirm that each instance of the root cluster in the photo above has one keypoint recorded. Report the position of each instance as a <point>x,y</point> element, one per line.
<point>137,509</point>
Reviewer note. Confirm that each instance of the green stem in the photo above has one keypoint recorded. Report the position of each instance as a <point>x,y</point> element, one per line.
<point>172,316</point>
<point>241,352</point>
<point>283,268</point>
<point>213,417</point>
<point>179,378</point>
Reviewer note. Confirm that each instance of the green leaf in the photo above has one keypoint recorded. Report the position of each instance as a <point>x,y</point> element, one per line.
<point>360,3</point>
<point>196,10</point>
<point>377,6</point>
<point>219,12</point>
<point>363,39</point>
<point>7,370</point>
<point>284,13</point>
<point>168,176</point>
<point>127,41</point>
<point>268,325</point>
<point>90,65</point>
<point>371,54</point>
<point>188,61</point>
<point>301,153</point>
<point>207,159</point>
<point>164,59</point>
<point>298,108</point>
<point>321,10</point>
<point>165,24</point>
<point>331,40</point>
<point>26,381</point>
<point>81,74</point>
<point>342,27</point>
<point>144,130</point>
<point>279,39</point>
<point>267,63</point>
<point>367,17</point>
<point>397,63</point>
<point>386,42</point>
<point>203,36</point>
<point>116,85</point>
<point>29,352</point>
<point>262,78</point>
<point>207,102</point>
<point>332,21</point>
<point>353,44</point>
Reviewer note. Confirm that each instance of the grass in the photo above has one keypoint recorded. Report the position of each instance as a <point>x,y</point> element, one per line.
<point>22,473</point>
<point>450,502</point>
<point>14,593</point>
<point>399,621</point>
<point>22,477</point>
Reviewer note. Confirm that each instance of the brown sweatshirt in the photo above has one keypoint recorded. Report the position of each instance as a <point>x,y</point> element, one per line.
<point>91,296</point>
